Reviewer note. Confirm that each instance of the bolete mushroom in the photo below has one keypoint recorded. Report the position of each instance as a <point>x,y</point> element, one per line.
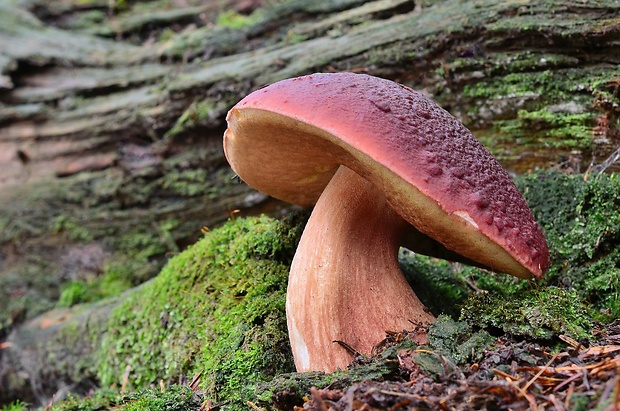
<point>385,167</point>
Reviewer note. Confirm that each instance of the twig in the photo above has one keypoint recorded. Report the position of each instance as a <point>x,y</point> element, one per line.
<point>556,403</point>
<point>347,347</point>
<point>513,383</point>
<point>254,406</point>
<point>567,381</point>
<point>601,167</point>
<point>195,381</point>
<point>125,378</point>
<point>539,373</point>
<point>586,383</point>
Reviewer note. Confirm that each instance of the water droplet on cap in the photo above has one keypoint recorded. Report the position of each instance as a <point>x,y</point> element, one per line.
<point>381,104</point>
<point>480,201</point>
<point>435,171</point>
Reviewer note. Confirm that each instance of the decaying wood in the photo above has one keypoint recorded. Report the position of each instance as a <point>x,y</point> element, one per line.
<point>52,351</point>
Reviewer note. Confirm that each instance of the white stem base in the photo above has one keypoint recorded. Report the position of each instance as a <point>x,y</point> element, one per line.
<point>345,283</point>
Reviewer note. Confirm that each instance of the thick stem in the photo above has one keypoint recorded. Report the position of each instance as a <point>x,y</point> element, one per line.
<point>345,283</point>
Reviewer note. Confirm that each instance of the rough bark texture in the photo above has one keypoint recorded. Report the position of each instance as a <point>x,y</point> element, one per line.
<point>111,114</point>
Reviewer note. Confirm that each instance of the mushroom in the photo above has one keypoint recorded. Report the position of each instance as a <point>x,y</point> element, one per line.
<point>384,166</point>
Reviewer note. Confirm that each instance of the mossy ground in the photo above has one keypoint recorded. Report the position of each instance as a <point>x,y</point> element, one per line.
<point>579,215</point>
<point>175,398</point>
<point>217,309</point>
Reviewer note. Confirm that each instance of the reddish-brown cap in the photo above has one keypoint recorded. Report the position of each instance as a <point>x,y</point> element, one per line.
<point>288,139</point>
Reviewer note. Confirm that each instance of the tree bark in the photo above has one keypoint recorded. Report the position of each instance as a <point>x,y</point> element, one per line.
<point>111,117</point>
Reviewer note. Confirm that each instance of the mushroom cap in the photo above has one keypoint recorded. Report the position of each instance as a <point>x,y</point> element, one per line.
<point>288,139</point>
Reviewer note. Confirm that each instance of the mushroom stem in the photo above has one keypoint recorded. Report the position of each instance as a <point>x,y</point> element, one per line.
<point>345,283</point>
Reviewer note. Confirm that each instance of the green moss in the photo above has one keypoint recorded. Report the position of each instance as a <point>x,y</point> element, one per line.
<point>197,112</point>
<point>294,38</point>
<point>534,92</point>
<point>438,283</point>
<point>233,20</point>
<point>457,340</point>
<point>543,313</point>
<point>556,86</point>
<point>16,406</point>
<point>581,222</point>
<point>216,308</point>
<point>115,279</point>
<point>494,64</point>
<point>73,229</point>
<point>579,402</point>
<point>86,20</point>
<point>166,34</point>
<point>100,400</point>
<point>145,244</point>
<point>74,292</point>
<point>175,398</point>
<point>553,129</point>
<point>525,102</point>
<point>192,183</point>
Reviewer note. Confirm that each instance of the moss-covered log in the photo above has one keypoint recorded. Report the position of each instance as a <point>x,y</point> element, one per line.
<point>216,310</point>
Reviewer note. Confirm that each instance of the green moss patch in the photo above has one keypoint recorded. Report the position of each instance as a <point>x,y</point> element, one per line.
<point>581,222</point>
<point>538,109</point>
<point>216,309</point>
<point>236,21</point>
<point>175,398</point>
<point>557,128</point>
<point>541,314</point>
<point>457,340</point>
<point>116,279</point>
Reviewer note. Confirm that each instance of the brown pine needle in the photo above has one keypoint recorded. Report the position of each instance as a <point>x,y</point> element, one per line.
<point>539,373</point>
